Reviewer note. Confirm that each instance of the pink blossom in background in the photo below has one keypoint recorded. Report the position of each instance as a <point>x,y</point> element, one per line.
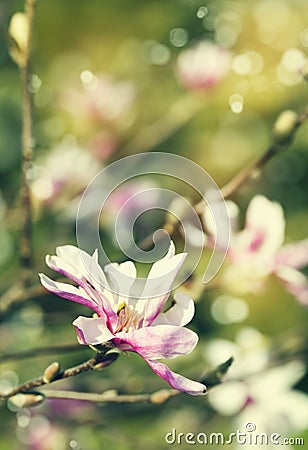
<point>202,66</point>
<point>100,98</point>
<point>257,251</point>
<point>102,145</point>
<point>132,196</point>
<point>136,324</point>
<point>63,173</point>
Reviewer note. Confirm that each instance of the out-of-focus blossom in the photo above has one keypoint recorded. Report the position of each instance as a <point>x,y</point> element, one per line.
<point>102,145</point>
<point>63,174</point>
<point>203,66</point>
<point>132,323</point>
<point>250,350</point>
<point>102,98</point>
<point>125,205</point>
<point>36,432</point>
<point>257,251</point>
<point>265,397</point>
<point>132,196</point>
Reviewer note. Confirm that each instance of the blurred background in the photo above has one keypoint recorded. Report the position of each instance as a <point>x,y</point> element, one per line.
<point>205,80</point>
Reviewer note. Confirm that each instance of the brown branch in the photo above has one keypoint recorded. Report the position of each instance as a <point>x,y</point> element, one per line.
<point>249,172</point>
<point>99,360</point>
<point>112,396</point>
<point>242,177</point>
<point>27,143</point>
<point>213,378</point>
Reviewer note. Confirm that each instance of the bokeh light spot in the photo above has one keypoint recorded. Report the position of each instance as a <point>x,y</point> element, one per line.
<point>178,37</point>
<point>202,12</point>
<point>226,310</point>
<point>236,103</point>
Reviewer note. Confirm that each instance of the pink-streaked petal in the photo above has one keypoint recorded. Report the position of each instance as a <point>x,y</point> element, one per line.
<point>161,341</point>
<point>179,314</point>
<point>266,224</point>
<point>293,255</point>
<point>58,265</point>
<point>92,331</point>
<point>295,282</point>
<point>69,292</point>
<point>177,381</point>
<point>83,265</point>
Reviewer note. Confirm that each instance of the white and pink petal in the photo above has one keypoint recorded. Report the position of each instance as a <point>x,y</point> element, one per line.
<point>175,380</point>
<point>293,255</point>
<point>295,282</point>
<point>180,313</point>
<point>266,225</point>
<point>69,292</point>
<point>92,331</point>
<point>159,342</point>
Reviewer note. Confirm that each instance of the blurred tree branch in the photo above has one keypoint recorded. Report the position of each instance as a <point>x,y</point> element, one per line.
<point>100,361</point>
<point>246,174</point>
<point>19,294</point>
<point>212,378</point>
<point>27,143</point>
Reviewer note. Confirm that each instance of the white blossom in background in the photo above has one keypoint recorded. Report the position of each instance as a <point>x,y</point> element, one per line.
<point>203,66</point>
<point>100,98</point>
<point>62,173</point>
<point>254,393</point>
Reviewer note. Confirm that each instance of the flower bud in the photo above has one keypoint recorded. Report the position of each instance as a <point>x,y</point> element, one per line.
<point>51,372</point>
<point>285,126</point>
<point>106,361</point>
<point>19,401</point>
<point>19,33</point>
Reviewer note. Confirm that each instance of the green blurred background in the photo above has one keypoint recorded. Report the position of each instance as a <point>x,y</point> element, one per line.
<point>136,45</point>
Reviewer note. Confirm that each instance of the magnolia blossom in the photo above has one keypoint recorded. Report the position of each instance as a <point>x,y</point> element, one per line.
<point>103,98</point>
<point>132,324</point>
<point>252,392</point>
<point>203,66</point>
<point>63,173</point>
<point>257,251</point>
<point>266,399</point>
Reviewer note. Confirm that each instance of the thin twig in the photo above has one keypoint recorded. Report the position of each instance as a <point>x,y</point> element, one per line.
<point>249,172</point>
<point>212,378</point>
<point>112,396</point>
<point>99,359</point>
<point>230,188</point>
<point>27,144</point>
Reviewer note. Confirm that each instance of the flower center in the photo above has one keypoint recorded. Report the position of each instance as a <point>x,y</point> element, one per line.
<point>127,318</point>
